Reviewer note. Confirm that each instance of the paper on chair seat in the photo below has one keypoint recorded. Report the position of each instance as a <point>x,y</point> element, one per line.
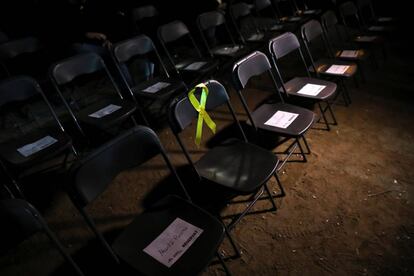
<point>349,53</point>
<point>309,12</point>
<point>337,69</point>
<point>376,28</point>
<point>156,87</point>
<point>366,38</point>
<point>173,242</point>
<point>36,146</point>
<point>105,111</point>
<point>281,119</point>
<point>311,89</point>
<point>255,37</point>
<point>294,18</point>
<point>385,19</point>
<point>227,50</point>
<point>276,27</point>
<point>195,66</point>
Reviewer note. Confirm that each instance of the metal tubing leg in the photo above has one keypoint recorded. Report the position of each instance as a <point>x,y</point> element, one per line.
<point>232,242</point>
<point>306,144</point>
<point>328,106</point>
<point>223,264</point>
<point>270,197</point>
<point>301,150</point>
<point>238,217</point>
<point>324,117</point>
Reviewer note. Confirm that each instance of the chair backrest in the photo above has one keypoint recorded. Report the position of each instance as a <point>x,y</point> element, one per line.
<point>68,69</point>
<point>172,31</point>
<point>143,12</point>
<point>311,30</point>
<point>139,46</point>
<point>23,88</point>
<point>210,19</point>
<point>91,175</point>
<point>348,9</point>
<point>239,10</point>
<point>283,45</point>
<point>262,4</point>
<point>329,19</point>
<point>14,48</point>
<point>252,65</point>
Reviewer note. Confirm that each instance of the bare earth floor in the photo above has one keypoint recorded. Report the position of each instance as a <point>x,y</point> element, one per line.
<point>347,211</point>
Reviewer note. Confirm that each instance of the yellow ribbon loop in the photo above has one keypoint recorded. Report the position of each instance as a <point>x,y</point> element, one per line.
<point>201,109</point>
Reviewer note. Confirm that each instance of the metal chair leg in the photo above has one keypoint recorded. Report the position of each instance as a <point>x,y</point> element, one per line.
<point>301,150</point>
<point>306,144</point>
<point>223,264</point>
<point>328,106</point>
<point>274,208</point>
<point>324,117</point>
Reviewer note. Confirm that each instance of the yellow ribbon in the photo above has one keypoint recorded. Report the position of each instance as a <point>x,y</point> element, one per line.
<point>201,109</point>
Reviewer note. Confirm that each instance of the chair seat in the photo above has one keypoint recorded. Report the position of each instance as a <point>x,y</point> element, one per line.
<point>294,85</point>
<point>144,229</point>
<point>9,153</point>
<point>298,127</point>
<point>361,54</point>
<point>174,85</point>
<point>323,65</point>
<point>105,122</point>
<point>368,39</point>
<point>209,66</point>
<point>237,165</point>
<point>228,50</point>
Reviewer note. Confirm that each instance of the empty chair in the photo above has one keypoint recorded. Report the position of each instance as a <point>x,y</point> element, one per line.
<point>322,65</point>
<point>369,18</point>
<point>339,47</point>
<point>19,221</point>
<point>144,72</point>
<point>184,54</point>
<point>271,13</point>
<point>154,230</point>
<point>236,165</point>
<point>245,23</point>
<point>280,118</point>
<point>91,107</point>
<point>217,36</point>
<point>306,87</point>
<point>145,20</point>
<point>22,56</point>
<point>31,134</point>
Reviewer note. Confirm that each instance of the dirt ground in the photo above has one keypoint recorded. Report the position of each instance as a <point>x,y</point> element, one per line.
<point>347,211</point>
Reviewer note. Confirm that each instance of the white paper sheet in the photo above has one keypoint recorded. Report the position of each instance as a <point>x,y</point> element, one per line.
<point>227,50</point>
<point>376,28</point>
<point>156,87</point>
<point>366,38</point>
<point>337,69</point>
<point>311,89</point>
<point>255,37</point>
<point>105,111</point>
<point>36,146</point>
<point>281,119</point>
<point>385,19</point>
<point>349,53</point>
<point>294,18</point>
<point>195,65</point>
<point>173,242</point>
<point>309,12</point>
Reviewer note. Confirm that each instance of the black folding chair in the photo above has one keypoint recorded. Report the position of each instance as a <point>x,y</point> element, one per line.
<point>92,107</point>
<point>217,36</point>
<point>323,65</point>
<point>314,89</point>
<point>280,118</point>
<point>19,221</point>
<point>356,31</point>
<point>238,166</point>
<point>145,20</point>
<point>184,54</point>
<point>92,175</point>
<point>32,136</point>
<point>21,56</point>
<point>370,20</point>
<point>246,25</point>
<point>144,73</point>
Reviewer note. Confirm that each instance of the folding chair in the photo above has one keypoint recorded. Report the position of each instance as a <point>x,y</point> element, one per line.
<point>143,71</point>
<point>238,166</point>
<point>314,89</point>
<point>312,35</point>
<point>156,228</point>
<point>353,24</point>
<point>32,137</point>
<point>184,54</point>
<point>19,56</point>
<point>246,25</point>
<point>91,108</point>
<point>20,220</point>
<point>280,118</point>
<point>217,36</point>
<point>339,48</point>
<point>145,20</point>
<point>369,18</point>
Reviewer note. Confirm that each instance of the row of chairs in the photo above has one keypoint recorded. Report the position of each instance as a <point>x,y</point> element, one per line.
<point>237,165</point>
